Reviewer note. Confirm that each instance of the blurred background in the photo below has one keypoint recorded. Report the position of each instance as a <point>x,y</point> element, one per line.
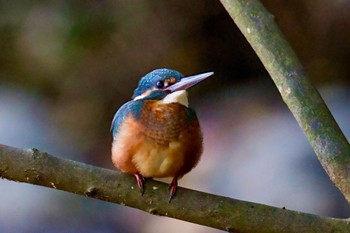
<point>67,66</point>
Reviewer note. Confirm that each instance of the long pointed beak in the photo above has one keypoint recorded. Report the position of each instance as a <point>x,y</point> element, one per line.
<point>188,82</point>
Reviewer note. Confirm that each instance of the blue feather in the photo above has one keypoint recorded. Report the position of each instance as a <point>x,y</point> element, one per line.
<point>131,107</point>
<point>148,81</point>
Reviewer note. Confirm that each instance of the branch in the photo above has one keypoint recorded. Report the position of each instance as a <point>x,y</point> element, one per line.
<point>40,168</point>
<point>303,100</point>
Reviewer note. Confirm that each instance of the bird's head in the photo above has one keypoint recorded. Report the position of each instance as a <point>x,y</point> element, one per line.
<point>167,86</point>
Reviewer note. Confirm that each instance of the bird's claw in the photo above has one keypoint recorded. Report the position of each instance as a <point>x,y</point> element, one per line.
<point>140,180</point>
<point>173,189</point>
<point>172,186</point>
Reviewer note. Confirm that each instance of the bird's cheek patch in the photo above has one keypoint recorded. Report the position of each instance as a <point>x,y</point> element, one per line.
<point>143,95</point>
<point>171,81</point>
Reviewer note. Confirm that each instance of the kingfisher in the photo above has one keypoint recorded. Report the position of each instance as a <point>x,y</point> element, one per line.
<point>156,134</point>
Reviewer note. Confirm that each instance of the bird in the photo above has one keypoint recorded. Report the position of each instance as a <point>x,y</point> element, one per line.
<point>156,134</point>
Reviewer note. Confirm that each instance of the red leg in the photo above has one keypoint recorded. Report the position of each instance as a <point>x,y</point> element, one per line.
<point>172,188</point>
<point>139,180</point>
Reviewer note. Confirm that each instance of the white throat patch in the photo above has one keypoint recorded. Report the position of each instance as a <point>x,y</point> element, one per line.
<point>176,97</point>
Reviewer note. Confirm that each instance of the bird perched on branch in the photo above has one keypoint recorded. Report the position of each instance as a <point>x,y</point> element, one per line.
<point>156,134</point>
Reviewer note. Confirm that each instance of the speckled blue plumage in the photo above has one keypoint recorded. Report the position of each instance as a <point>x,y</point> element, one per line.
<point>131,107</point>
<point>149,80</point>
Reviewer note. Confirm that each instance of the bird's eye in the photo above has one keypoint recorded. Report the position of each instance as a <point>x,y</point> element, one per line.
<point>160,84</point>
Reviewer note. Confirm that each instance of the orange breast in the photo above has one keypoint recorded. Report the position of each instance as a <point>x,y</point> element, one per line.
<point>165,141</point>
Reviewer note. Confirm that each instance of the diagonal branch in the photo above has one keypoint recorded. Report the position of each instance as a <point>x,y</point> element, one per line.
<point>40,168</point>
<point>303,100</point>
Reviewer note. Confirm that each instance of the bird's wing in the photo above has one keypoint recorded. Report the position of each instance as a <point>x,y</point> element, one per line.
<point>165,122</point>
<point>131,107</point>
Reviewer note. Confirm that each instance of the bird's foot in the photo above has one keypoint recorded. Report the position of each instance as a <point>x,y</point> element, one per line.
<point>172,188</point>
<point>140,180</point>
